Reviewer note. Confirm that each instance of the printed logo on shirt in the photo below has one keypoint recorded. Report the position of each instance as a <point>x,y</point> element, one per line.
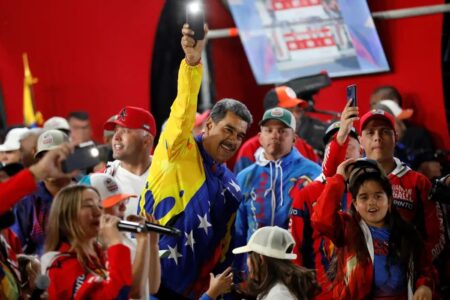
<point>403,198</point>
<point>380,247</point>
<point>78,283</point>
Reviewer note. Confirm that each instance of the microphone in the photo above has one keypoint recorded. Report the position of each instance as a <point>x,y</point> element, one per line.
<point>131,227</point>
<point>162,229</point>
<point>138,228</point>
<point>41,283</point>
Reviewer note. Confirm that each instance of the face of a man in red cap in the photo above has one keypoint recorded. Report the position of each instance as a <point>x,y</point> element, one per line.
<point>378,140</point>
<point>128,143</point>
<point>134,131</point>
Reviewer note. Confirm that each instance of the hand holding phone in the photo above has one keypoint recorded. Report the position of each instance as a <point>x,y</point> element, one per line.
<point>351,94</point>
<point>85,155</point>
<point>196,19</point>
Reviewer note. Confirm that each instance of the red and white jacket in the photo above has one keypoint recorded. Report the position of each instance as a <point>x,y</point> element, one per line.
<point>410,192</point>
<point>313,249</point>
<point>69,279</point>
<point>341,228</point>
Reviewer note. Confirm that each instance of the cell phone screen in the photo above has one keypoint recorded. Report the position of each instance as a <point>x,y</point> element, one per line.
<point>351,94</point>
<point>195,18</point>
<point>84,156</point>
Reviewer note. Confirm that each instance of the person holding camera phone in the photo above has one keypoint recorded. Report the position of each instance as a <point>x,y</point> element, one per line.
<point>31,213</point>
<point>190,188</point>
<point>378,137</point>
<point>12,189</point>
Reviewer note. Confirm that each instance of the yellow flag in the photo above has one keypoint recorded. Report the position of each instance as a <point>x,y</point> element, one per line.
<point>30,117</point>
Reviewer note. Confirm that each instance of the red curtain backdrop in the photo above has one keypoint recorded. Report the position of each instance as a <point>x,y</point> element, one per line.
<point>88,55</point>
<point>95,56</point>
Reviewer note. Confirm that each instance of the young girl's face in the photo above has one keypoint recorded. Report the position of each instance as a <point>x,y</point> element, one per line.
<point>90,213</point>
<point>372,203</point>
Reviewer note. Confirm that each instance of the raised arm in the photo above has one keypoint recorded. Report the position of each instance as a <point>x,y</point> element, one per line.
<point>24,182</point>
<point>326,217</point>
<point>178,131</point>
<point>336,152</point>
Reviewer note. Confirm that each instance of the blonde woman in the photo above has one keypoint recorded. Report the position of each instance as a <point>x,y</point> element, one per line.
<point>76,264</point>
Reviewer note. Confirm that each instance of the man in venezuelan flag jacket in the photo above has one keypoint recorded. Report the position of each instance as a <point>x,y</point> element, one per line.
<point>190,188</point>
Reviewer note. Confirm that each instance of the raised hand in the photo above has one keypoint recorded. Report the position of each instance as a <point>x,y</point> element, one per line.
<point>108,230</point>
<point>343,167</point>
<point>192,48</point>
<point>50,163</point>
<point>349,115</point>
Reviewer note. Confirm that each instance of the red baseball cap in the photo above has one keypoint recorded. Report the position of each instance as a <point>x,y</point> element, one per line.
<point>134,118</point>
<point>283,96</point>
<point>377,114</point>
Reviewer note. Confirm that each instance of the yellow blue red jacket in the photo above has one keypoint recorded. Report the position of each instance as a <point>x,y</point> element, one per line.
<point>187,189</point>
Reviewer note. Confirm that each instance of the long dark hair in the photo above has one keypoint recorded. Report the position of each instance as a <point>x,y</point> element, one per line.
<point>405,243</point>
<point>267,271</point>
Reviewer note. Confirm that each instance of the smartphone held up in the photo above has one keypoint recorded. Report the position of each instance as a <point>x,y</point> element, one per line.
<point>195,17</point>
<point>85,156</point>
<point>351,94</point>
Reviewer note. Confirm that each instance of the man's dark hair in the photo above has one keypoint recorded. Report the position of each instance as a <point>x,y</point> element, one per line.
<point>223,106</point>
<point>389,93</point>
<point>80,115</point>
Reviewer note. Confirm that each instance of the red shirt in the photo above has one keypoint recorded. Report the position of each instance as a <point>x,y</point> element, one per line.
<point>69,279</point>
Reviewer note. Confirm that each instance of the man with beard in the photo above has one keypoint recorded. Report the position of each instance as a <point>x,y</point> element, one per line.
<point>32,211</point>
<point>189,186</point>
<point>134,132</point>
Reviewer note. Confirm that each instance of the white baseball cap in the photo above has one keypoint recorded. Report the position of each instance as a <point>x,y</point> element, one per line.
<point>108,188</point>
<point>13,138</point>
<point>57,123</point>
<point>49,140</point>
<point>271,241</point>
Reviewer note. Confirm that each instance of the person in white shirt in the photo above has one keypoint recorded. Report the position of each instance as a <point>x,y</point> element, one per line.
<point>134,132</point>
<point>272,274</point>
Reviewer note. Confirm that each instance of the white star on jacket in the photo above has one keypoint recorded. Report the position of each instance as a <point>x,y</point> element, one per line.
<point>174,254</point>
<point>204,224</point>
<point>190,240</point>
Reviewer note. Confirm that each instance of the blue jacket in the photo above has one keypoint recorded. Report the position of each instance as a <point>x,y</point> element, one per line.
<point>31,215</point>
<point>265,187</point>
<point>187,189</point>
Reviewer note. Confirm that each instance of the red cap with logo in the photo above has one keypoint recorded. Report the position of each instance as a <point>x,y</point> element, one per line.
<point>134,118</point>
<point>377,114</point>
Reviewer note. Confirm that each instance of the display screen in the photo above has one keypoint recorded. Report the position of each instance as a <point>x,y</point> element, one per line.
<point>286,39</point>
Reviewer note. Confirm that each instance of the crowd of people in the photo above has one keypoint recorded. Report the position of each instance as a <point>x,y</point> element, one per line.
<point>362,222</point>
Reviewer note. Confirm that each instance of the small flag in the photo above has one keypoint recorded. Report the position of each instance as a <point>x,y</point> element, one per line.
<point>31,118</point>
